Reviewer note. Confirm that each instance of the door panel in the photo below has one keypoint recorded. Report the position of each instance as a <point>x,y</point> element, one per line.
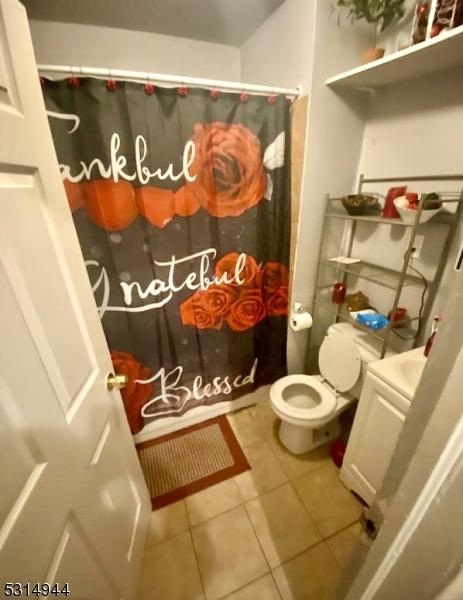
<point>74,507</point>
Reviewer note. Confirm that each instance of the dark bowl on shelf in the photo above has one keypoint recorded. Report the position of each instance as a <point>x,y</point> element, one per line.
<point>361,204</point>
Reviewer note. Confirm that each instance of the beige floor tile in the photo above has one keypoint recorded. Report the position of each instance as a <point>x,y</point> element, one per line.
<point>344,544</point>
<point>282,524</point>
<point>170,571</point>
<point>313,575</point>
<point>262,589</point>
<point>295,465</point>
<point>244,427</point>
<point>329,503</point>
<point>212,501</point>
<point>228,552</point>
<point>266,420</point>
<point>261,394</point>
<point>166,522</point>
<point>265,474</point>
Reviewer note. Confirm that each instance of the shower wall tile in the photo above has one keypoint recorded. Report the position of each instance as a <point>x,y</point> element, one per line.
<point>292,250</point>
<point>298,125</point>
<point>298,128</point>
<point>296,181</point>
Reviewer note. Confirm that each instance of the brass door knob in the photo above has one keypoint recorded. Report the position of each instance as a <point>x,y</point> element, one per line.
<point>116,382</point>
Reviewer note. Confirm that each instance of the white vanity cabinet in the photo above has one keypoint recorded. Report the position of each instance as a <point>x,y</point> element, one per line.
<point>380,415</point>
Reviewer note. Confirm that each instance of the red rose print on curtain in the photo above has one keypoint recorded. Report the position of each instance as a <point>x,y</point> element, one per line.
<point>230,179</point>
<point>206,309</point>
<point>275,281</point>
<point>134,395</point>
<point>228,167</point>
<point>182,210</point>
<point>110,205</point>
<point>250,275</point>
<point>247,311</point>
<point>241,305</point>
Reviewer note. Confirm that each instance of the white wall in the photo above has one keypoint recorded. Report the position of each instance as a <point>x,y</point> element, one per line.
<point>280,52</point>
<point>86,45</point>
<point>335,130</point>
<point>302,43</point>
<point>412,130</point>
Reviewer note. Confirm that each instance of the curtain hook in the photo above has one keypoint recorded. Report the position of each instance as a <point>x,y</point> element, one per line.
<point>183,89</point>
<point>149,87</point>
<point>111,84</point>
<point>272,97</point>
<point>73,80</point>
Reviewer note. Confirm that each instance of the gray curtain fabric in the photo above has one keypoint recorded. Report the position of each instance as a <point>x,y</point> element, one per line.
<point>180,199</point>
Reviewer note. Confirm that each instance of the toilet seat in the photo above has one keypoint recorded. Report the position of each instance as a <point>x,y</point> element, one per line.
<point>322,410</point>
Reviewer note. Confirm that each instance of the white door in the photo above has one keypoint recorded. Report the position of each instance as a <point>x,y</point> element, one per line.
<point>73,504</point>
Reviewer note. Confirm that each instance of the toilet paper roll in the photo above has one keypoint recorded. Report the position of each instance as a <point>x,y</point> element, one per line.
<point>300,321</point>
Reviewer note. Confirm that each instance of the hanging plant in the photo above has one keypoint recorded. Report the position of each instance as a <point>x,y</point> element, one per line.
<point>380,13</point>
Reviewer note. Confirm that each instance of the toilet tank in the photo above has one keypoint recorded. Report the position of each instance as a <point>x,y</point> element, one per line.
<point>369,349</point>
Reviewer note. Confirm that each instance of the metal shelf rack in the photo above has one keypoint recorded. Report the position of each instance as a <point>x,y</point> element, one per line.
<point>395,280</point>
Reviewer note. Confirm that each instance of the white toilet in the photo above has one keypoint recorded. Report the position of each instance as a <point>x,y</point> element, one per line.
<point>308,405</point>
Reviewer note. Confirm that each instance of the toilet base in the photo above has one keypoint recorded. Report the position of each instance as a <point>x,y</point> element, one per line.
<point>299,439</point>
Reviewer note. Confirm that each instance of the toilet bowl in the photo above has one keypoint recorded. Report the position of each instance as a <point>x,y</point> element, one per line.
<point>309,405</point>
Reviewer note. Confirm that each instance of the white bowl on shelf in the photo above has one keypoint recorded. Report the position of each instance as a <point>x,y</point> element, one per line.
<point>409,214</point>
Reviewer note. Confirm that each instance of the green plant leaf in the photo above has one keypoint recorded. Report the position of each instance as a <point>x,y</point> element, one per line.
<point>383,12</point>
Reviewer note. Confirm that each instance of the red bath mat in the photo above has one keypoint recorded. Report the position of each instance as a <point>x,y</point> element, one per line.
<point>182,463</point>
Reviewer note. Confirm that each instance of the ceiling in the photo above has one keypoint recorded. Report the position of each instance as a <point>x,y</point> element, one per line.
<point>223,21</point>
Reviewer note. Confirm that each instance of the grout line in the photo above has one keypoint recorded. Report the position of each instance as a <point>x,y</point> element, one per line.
<point>308,512</point>
<point>276,583</point>
<point>342,529</point>
<point>257,538</point>
<point>215,516</point>
<point>271,569</point>
<point>187,513</point>
<point>343,567</point>
<point>203,587</point>
<point>242,587</point>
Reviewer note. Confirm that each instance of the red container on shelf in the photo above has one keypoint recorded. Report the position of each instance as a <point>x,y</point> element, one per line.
<point>398,317</point>
<point>339,293</point>
<point>390,211</point>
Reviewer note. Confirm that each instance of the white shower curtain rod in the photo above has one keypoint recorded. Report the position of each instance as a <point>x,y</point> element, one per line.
<point>143,76</point>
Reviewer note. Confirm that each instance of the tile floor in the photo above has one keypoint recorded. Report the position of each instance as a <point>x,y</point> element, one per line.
<point>284,530</point>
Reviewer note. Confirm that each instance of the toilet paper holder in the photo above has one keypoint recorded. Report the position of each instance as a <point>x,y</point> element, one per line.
<point>298,307</point>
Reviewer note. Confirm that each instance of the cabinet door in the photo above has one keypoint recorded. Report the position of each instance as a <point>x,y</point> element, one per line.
<point>378,422</point>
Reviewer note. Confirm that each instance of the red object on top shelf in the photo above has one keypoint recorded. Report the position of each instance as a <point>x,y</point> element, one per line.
<point>390,211</point>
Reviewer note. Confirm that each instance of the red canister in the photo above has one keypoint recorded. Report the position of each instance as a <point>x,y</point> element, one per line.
<point>398,317</point>
<point>390,211</point>
<point>339,293</point>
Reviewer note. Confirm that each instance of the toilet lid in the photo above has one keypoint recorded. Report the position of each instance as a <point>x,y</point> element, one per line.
<point>339,362</point>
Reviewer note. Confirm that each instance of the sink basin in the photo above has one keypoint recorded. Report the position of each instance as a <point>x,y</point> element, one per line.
<point>412,369</point>
<point>401,371</point>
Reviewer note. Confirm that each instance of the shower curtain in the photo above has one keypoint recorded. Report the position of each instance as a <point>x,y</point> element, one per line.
<point>180,199</point>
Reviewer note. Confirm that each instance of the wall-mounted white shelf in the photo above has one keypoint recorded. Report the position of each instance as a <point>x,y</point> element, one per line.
<point>431,56</point>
